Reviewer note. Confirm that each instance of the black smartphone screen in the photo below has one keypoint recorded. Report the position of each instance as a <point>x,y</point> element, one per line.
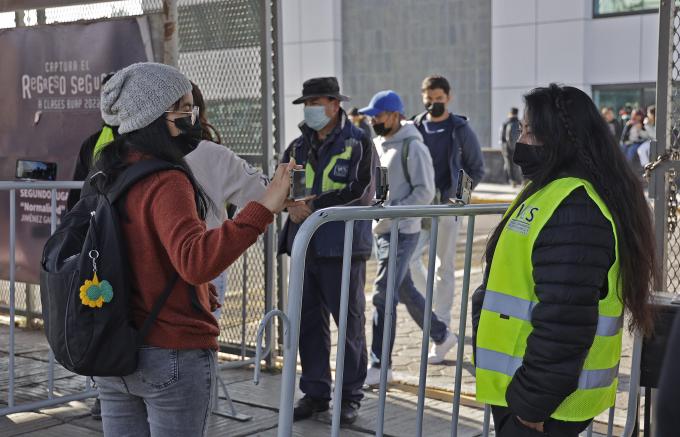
<point>298,184</point>
<point>36,170</point>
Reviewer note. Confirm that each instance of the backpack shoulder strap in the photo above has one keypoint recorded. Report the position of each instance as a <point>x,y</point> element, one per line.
<point>404,159</point>
<point>134,174</point>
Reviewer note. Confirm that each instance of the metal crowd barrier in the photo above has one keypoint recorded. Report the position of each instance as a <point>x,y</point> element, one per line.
<point>88,392</point>
<point>11,408</point>
<point>291,319</point>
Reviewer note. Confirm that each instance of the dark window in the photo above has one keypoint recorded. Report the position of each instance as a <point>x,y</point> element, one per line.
<point>604,8</point>
<point>635,96</point>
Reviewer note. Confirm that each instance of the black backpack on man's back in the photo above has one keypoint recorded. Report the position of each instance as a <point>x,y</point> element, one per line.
<point>85,282</point>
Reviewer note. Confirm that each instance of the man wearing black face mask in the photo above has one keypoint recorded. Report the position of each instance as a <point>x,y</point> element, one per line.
<point>453,146</point>
<point>411,180</point>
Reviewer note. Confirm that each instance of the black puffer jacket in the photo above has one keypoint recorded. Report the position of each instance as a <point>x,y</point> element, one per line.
<point>571,257</point>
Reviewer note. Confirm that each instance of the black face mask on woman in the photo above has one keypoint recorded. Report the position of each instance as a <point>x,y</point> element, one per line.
<point>529,158</point>
<point>189,136</point>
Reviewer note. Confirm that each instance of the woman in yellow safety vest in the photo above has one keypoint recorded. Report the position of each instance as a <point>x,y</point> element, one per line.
<point>573,252</point>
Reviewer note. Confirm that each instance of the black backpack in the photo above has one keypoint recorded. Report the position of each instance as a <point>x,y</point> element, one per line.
<point>88,324</point>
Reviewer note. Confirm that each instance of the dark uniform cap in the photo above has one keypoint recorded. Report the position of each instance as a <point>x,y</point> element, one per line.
<point>320,87</point>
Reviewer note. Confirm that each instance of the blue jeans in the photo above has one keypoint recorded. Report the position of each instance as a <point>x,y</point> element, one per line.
<point>405,292</point>
<point>169,395</point>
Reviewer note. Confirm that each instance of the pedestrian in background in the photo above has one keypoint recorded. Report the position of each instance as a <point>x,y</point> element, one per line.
<point>359,120</point>
<point>453,145</point>
<point>410,177</point>
<point>510,131</point>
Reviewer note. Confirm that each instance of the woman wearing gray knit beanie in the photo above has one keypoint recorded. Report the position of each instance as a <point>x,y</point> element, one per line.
<point>162,221</point>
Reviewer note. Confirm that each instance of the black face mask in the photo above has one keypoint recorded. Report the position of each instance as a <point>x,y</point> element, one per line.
<point>381,130</point>
<point>529,158</point>
<point>193,134</point>
<point>436,109</point>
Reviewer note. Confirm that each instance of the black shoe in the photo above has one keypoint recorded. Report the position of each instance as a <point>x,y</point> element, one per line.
<point>349,412</point>
<point>308,406</point>
<point>96,410</point>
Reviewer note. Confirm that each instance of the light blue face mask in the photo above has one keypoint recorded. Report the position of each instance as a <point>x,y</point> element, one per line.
<point>316,118</point>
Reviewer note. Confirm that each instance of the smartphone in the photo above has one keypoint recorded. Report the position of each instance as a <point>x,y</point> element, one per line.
<point>36,170</point>
<point>381,185</point>
<point>298,184</point>
<point>463,189</point>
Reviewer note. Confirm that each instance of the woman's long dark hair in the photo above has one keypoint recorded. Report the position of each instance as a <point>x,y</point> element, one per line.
<point>210,133</point>
<point>578,142</point>
<point>153,140</point>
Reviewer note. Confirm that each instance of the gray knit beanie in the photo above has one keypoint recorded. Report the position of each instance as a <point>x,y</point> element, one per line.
<point>140,93</point>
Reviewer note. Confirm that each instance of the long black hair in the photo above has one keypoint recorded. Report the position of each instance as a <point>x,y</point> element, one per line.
<point>155,141</point>
<point>210,132</point>
<point>578,143</point>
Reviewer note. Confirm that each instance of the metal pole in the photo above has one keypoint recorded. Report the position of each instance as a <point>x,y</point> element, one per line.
<point>342,329</point>
<point>51,363</point>
<point>634,387</point>
<point>294,309</point>
<point>170,34</point>
<point>387,325</point>
<point>462,324</point>
<point>657,186</point>
<point>12,295</point>
<point>268,158</point>
<point>487,421</point>
<point>244,304</point>
<point>279,145</point>
<point>425,344</point>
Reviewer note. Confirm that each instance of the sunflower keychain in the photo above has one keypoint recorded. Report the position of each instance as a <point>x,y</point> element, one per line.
<point>95,293</point>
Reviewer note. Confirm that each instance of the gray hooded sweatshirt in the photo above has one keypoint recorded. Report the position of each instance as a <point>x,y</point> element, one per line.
<point>420,170</point>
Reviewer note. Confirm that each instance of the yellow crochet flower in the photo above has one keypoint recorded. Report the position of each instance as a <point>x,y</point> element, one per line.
<point>94,293</point>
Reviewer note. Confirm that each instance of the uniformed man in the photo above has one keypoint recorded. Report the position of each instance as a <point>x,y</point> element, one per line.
<point>339,160</point>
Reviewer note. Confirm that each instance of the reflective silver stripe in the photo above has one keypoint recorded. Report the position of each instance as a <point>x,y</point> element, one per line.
<point>497,361</point>
<point>508,305</point>
<point>609,326</point>
<point>597,378</point>
<point>508,365</point>
<point>518,308</point>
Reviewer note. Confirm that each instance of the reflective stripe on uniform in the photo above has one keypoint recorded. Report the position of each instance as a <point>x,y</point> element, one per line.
<point>519,308</point>
<point>508,365</point>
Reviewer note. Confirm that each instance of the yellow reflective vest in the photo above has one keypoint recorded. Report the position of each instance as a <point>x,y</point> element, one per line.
<point>505,321</point>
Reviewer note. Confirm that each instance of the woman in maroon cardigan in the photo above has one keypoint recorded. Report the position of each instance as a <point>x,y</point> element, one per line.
<point>164,230</point>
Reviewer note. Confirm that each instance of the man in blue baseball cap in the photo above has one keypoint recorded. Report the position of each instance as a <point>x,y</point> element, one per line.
<point>410,176</point>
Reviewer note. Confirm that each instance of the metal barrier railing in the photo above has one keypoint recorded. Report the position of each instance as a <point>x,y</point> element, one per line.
<point>53,187</point>
<point>292,317</point>
<point>11,408</point>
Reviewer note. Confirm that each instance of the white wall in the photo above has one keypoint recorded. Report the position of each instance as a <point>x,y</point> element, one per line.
<point>311,48</point>
<point>535,42</point>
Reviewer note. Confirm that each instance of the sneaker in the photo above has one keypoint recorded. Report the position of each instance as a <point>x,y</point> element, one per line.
<point>96,410</point>
<point>349,412</point>
<point>438,351</point>
<point>308,406</point>
<point>373,376</point>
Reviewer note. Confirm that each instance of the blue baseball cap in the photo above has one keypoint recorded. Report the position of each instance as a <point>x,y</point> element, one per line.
<point>384,101</point>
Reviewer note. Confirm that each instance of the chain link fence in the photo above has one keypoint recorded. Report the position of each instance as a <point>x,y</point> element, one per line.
<point>665,171</point>
<point>224,47</point>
